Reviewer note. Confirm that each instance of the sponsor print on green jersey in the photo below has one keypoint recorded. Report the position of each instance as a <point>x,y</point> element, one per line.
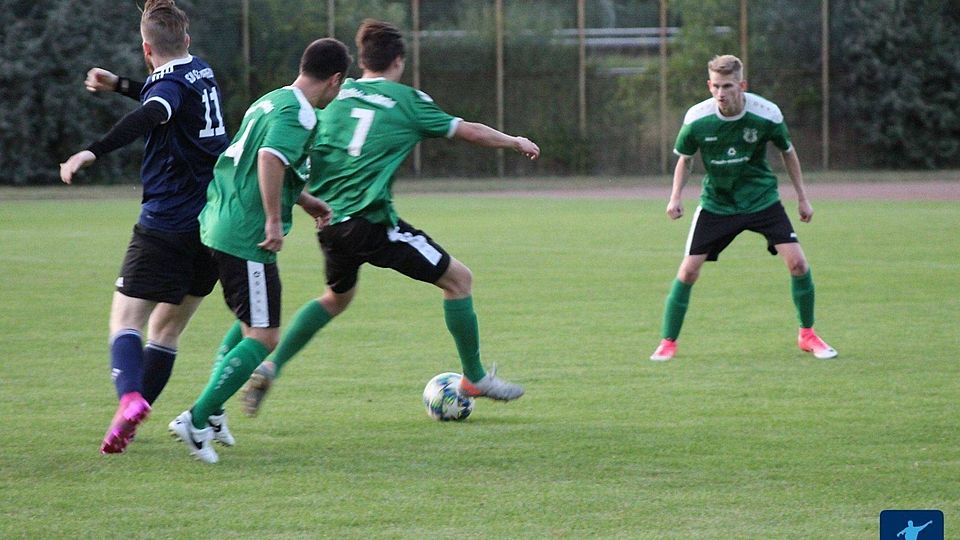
<point>739,179</point>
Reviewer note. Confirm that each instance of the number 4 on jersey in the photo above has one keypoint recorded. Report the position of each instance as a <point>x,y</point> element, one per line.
<point>365,118</point>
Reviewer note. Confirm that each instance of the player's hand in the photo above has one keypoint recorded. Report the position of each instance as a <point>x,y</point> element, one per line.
<point>274,236</point>
<point>805,210</point>
<point>318,210</point>
<point>74,163</point>
<point>675,209</point>
<point>527,147</point>
<point>101,80</point>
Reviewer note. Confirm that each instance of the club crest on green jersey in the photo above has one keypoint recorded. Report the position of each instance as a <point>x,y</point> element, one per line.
<point>750,135</point>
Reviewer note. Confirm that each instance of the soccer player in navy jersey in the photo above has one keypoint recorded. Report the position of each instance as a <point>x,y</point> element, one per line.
<point>166,271</point>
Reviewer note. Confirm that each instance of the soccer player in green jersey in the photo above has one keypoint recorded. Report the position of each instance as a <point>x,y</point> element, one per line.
<point>731,131</point>
<point>248,212</point>
<point>366,133</point>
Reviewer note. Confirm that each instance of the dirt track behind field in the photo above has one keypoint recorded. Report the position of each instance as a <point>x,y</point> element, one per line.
<point>944,186</point>
<point>900,191</point>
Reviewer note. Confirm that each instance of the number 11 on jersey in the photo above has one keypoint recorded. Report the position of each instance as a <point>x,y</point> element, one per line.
<point>364,119</point>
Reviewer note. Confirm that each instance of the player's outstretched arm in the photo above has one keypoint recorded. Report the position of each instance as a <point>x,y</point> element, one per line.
<point>134,125</point>
<point>101,80</point>
<point>792,163</point>
<point>483,135</point>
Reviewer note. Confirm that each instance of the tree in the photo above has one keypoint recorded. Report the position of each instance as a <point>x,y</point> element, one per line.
<point>900,61</point>
<point>46,114</point>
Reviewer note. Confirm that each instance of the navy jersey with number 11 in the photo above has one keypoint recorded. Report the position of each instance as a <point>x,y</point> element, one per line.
<point>180,153</point>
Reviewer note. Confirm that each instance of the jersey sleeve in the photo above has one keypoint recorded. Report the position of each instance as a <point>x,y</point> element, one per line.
<point>166,93</point>
<point>780,137</point>
<point>287,136</point>
<point>430,119</point>
<point>686,143</point>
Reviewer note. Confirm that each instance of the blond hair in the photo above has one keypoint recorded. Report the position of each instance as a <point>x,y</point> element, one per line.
<point>164,26</point>
<point>726,64</point>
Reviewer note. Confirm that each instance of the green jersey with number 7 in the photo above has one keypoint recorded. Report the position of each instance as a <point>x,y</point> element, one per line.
<point>365,134</point>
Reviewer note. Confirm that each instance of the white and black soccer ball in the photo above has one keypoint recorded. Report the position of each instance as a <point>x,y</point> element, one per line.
<point>442,400</point>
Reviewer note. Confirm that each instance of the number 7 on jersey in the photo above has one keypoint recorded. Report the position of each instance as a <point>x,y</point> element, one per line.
<point>364,119</point>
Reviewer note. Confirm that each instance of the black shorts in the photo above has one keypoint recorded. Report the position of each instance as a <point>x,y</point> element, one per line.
<point>711,233</point>
<point>349,244</point>
<point>165,267</point>
<point>251,289</point>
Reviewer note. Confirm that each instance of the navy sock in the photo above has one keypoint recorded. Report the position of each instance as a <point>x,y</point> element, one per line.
<point>126,361</point>
<point>157,367</point>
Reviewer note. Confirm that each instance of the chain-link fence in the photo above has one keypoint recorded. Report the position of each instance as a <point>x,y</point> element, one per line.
<point>602,85</point>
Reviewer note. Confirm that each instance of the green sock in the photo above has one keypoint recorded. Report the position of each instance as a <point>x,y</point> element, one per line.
<point>230,340</point>
<point>675,309</point>
<point>462,323</point>
<point>803,296</point>
<point>307,322</point>
<point>228,376</point>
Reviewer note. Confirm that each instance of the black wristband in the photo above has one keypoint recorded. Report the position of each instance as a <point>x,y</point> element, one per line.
<point>128,87</point>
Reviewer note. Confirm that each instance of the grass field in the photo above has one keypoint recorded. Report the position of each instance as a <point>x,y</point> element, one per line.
<point>742,436</point>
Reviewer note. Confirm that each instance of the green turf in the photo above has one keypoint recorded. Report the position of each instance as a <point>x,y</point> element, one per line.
<point>742,436</point>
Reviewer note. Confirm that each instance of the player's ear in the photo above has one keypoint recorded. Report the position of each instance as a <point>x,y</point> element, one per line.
<point>186,41</point>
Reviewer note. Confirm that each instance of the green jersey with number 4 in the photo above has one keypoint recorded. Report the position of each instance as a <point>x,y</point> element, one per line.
<point>365,134</point>
<point>739,179</point>
<point>283,123</point>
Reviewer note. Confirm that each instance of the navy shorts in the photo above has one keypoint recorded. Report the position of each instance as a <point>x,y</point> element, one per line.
<point>251,289</point>
<point>711,233</point>
<point>165,267</point>
<point>349,244</point>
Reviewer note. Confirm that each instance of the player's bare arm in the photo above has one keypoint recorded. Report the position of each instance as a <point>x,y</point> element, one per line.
<point>270,172</point>
<point>317,209</point>
<point>681,173</point>
<point>792,163</point>
<point>483,135</point>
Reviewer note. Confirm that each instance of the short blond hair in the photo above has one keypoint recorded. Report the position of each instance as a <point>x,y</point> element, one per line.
<point>726,64</point>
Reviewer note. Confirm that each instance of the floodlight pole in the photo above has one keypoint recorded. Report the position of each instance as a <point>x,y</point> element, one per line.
<point>582,86</point>
<point>664,155</point>
<point>415,16</point>
<point>245,46</point>
<point>825,82</point>
<point>499,22</point>
<point>331,18</point>
<point>744,41</point>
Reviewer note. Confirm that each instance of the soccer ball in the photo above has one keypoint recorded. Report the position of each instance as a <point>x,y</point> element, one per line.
<point>442,400</point>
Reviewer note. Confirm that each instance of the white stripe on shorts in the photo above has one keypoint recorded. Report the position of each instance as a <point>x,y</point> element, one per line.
<point>693,226</point>
<point>257,287</point>
<point>417,242</point>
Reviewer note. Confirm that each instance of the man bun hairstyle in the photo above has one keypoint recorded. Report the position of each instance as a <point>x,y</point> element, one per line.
<point>325,57</point>
<point>164,27</point>
<point>726,64</point>
<point>378,44</point>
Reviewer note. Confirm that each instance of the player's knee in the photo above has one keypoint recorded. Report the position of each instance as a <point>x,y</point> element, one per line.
<point>457,281</point>
<point>334,303</point>
<point>688,275</point>
<point>798,267</point>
